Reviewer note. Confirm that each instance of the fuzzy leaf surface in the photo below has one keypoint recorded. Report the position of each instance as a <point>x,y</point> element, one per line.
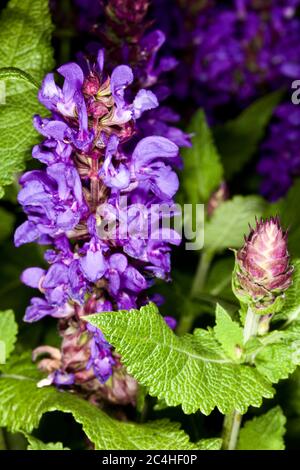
<point>263,432</point>
<point>8,331</point>
<point>22,404</point>
<point>238,139</point>
<point>25,44</point>
<point>192,370</point>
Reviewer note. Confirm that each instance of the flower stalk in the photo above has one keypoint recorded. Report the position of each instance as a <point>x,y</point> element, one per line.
<point>233,421</point>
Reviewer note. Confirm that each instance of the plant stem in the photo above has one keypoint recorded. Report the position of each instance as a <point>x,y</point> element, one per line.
<point>201,273</point>
<point>186,321</point>
<point>2,440</point>
<point>232,422</point>
<point>251,324</point>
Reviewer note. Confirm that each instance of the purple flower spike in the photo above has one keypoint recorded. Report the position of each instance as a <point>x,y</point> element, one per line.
<point>121,77</point>
<point>93,157</point>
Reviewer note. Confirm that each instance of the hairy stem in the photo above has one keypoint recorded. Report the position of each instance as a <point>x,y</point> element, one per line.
<point>251,324</point>
<point>201,273</point>
<point>186,321</point>
<point>232,422</point>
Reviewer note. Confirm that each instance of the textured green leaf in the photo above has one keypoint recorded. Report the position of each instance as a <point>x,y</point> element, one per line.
<point>202,172</point>
<point>291,308</point>
<point>210,444</point>
<point>14,73</point>
<point>276,360</point>
<point>36,444</point>
<point>6,223</point>
<point>8,331</point>
<point>192,370</point>
<point>238,139</point>
<point>230,221</point>
<point>25,43</point>
<point>263,432</point>
<point>22,405</point>
<point>228,333</point>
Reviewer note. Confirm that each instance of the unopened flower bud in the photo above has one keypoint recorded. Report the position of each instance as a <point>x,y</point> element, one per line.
<point>262,271</point>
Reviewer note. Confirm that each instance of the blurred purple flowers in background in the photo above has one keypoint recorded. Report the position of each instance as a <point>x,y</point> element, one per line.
<point>112,135</point>
<point>231,53</point>
<point>244,49</point>
<point>280,152</point>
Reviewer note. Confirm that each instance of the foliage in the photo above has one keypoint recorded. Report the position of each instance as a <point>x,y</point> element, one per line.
<point>211,364</point>
<point>25,45</point>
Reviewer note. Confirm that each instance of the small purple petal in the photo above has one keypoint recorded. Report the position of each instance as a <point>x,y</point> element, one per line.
<point>121,77</point>
<point>93,265</point>
<point>144,101</point>
<point>32,277</point>
<point>171,322</point>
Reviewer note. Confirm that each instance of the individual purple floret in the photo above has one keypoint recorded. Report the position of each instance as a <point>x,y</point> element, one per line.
<point>52,200</point>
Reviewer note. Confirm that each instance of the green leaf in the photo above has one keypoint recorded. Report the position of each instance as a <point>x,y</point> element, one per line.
<point>22,404</point>
<point>25,44</point>
<point>230,222</point>
<point>6,223</point>
<point>210,444</point>
<point>176,298</point>
<point>238,139</point>
<point>36,444</point>
<point>14,73</point>
<point>291,309</point>
<point>263,432</point>
<point>8,332</point>
<point>202,172</point>
<point>192,370</point>
<point>228,333</point>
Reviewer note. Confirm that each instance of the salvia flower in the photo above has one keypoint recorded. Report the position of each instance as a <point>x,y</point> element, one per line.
<point>97,169</point>
<point>263,271</point>
<point>280,153</point>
